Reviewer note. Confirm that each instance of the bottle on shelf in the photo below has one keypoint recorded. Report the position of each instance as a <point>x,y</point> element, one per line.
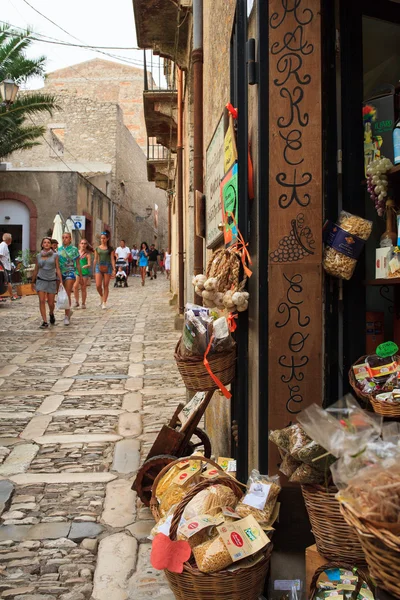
<point>389,237</point>
<point>396,142</point>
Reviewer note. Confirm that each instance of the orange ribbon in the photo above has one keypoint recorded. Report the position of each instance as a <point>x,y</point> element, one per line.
<point>232,317</point>
<point>219,383</point>
<point>240,246</point>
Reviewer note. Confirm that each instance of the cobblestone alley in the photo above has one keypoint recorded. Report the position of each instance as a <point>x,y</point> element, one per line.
<point>79,408</point>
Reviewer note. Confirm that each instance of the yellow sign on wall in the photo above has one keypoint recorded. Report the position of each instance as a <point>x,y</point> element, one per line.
<point>230,151</point>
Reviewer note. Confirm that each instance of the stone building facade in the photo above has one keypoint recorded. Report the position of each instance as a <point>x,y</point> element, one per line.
<point>106,81</point>
<point>90,137</point>
<point>29,201</point>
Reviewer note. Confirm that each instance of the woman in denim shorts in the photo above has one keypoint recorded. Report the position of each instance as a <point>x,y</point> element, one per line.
<point>68,256</point>
<point>104,267</point>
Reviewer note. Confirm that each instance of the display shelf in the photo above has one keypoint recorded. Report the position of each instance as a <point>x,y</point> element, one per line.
<point>387,281</point>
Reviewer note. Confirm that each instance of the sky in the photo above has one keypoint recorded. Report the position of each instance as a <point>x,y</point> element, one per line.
<point>93,22</point>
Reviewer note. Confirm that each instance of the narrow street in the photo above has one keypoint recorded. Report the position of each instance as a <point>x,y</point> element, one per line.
<point>79,409</point>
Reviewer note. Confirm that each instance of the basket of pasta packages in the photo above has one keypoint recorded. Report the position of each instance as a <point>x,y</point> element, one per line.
<point>310,450</point>
<point>375,379</point>
<point>222,531</point>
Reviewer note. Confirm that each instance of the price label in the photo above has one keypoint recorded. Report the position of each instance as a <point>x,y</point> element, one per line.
<point>387,349</point>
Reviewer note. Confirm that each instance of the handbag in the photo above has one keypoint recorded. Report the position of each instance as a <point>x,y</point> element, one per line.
<point>130,258</point>
<point>62,299</point>
<point>103,268</point>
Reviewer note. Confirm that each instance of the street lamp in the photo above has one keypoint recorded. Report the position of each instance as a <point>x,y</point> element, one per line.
<point>8,91</point>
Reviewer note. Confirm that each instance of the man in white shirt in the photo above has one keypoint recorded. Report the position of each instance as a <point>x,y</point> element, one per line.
<point>121,256</point>
<point>6,260</point>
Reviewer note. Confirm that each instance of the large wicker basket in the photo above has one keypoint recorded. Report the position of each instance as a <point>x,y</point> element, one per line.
<point>195,375</point>
<point>335,540</point>
<point>154,506</point>
<point>363,577</point>
<point>381,408</point>
<point>192,584</point>
<point>381,548</point>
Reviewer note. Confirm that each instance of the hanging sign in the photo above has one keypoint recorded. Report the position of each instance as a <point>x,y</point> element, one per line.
<point>79,222</point>
<point>215,172</point>
<point>229,201</point>
<point>230,150</point>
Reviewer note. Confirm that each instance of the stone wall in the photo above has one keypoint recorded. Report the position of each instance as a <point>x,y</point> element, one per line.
<point>218,22</point>
<point>106,81</point>
<point>135,193</point>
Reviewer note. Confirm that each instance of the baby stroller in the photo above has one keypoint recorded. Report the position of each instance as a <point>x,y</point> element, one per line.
<point>121,277</point>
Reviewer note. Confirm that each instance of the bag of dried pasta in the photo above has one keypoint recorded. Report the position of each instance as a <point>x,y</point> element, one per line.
<point>212,556</point>
<point>344,242</point>
<point>288,465</point>
<point>260,499</point>
<point>210,501</point>
<point>178,487</point>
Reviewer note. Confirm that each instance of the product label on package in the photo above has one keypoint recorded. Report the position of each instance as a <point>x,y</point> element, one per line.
<point>186,474</point>
<point>197,524</point>
<point>384,370</point>
<point>211,473</point>
<point>243,538</point>
<point>344,242</point>
<point>257,495</point>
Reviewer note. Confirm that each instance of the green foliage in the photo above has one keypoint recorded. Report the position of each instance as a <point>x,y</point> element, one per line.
<point>25,260</point>
<point>18,131</point>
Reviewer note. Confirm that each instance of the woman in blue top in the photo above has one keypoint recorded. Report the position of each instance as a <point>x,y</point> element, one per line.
<point>143,260</point>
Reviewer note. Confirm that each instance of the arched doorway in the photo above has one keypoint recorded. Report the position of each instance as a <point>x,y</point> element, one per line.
<point>18,216</point>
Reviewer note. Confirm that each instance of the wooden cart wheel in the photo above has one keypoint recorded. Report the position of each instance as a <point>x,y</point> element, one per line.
<point>201,443</point>
<point>147,474</point>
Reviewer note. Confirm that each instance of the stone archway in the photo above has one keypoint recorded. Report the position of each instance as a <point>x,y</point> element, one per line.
<point>32,212</point>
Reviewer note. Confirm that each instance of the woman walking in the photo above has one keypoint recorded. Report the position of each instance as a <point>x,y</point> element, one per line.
<point>143,261</point>
<point>85,260</point>
<point>68,258</point>
<point>167,263</point>
<point>104,267</point>
<point>47,269</point>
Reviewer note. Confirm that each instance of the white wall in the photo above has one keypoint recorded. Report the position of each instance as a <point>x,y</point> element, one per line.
<point>19,215</point>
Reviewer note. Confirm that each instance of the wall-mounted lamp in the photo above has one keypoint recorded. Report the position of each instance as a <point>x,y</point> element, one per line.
<point>7,218</point>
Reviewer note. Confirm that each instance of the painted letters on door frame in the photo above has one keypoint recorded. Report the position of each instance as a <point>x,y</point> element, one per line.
<point>295,209</point>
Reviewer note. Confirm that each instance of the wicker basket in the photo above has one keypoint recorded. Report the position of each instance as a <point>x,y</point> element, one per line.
<point>335,540</point>
<point>381,408</point>
<point>196,377</point>
<point>381,548</point>
<point>363,577</point>
<point>154,506</point>
<point>192,584</point>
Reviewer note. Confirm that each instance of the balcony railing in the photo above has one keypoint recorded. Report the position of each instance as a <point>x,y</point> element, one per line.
<point>159,73</point>
<point>156,151</point>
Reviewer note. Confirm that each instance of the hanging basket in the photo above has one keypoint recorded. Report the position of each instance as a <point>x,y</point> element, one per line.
<point>386,409</point>
<point>192,584</point>
<point>154,506</point>
<point>381,548</point>
<point>363,577</point>
<point>335,539</point>
<point>195,375</point>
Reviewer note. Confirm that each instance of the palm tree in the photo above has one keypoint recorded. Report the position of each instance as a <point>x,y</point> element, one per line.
<point>15,132</point>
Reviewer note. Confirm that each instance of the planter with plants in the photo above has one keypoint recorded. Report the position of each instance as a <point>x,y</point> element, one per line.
<point>26,265</point>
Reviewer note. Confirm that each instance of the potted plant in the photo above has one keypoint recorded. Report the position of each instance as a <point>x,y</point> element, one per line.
<point>26,265</point>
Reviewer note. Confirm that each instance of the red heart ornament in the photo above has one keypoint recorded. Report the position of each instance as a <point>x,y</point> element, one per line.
<point>166,554</point>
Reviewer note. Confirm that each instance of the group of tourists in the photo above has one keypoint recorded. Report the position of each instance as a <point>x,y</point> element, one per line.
<point>72,267</point>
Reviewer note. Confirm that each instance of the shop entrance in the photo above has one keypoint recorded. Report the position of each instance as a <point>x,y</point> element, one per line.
<point>16,245</point>
<point>367,68</point>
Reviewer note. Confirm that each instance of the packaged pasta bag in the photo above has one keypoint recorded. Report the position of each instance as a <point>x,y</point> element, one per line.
<point>288,465</point>
<point>210,501</point>
<point>344,242</point>
<point>177,490</point>
<point>281,438</point>
<point>260,499</point>
<point>212,556</point>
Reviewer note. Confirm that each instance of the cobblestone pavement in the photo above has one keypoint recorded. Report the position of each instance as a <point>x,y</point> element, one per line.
<point>79,409</point>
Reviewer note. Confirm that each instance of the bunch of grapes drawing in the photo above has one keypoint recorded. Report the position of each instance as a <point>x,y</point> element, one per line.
<point>297,245</point>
